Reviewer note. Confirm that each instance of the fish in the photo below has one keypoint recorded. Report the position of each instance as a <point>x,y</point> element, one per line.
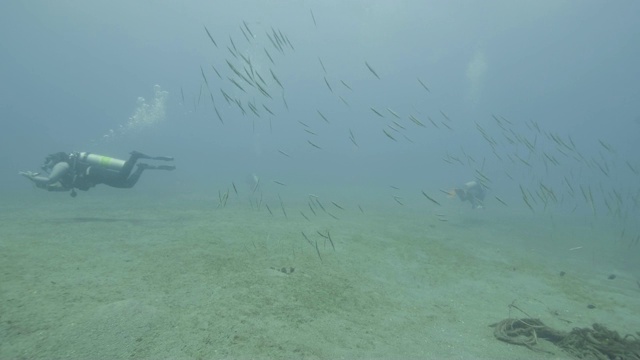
<point>283,153</point>
<point>314,145</point>
<point>204,77</point>
<point>244,34</point>
<point>246,60</point>
<point>216,70</point>
<point>318,251</point>
<point>278,40</point>
<point>345,85</point>
<point>279,183</point>
<point>286,38</point>
<point>233,68</point>
<point>354,142</point>
<point>210,37</point>
<point>276,78</point>
<point>182,94</point>
<point>430,198</point>
<point>423,85</point>
<point>416,121</point>
<point>306,238</point>
<point>500,200</point>
<point>371,69</point>
<point>321,64</point>
<point>240,106</point>
<point>269,111</point>
<point>253,109</point>
<point>302,123</point>
<point>311,207</point>
<point>264,92</point>
<point>226,96</point>
<point>393,113</point>
<point>331,241</point>
<point>352,138</point>
<point>526,199</point>
<point>272,41</point>
<point>313,18</point>
<point>238,85</point>
<point>248,30</point>
<point>606,146</point>
<point>217,113</point>
<point>398,125</point>
<point>257,183</point>
<point>200,95</point>
<point>261,79</point>
<point>232,52</point>
<point>268,55</point>
<point>327,82</point>
<point>389,135</point>
<point>233,44</point>
<point>376,111</point>
<point>338,206</point>
<point>483,178</point>
<point>322,116</point>
<point>320,204</point>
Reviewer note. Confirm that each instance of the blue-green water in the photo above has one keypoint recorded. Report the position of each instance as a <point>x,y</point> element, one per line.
<point>318,149</point>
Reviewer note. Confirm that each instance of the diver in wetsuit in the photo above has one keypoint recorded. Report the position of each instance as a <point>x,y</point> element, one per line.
<point>82,171</point>
<point>472,192</point>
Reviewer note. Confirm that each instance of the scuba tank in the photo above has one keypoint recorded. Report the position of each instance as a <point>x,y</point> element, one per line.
<point>101,161</point>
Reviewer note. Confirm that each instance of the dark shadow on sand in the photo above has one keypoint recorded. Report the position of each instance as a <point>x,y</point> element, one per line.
<point>89,219</point>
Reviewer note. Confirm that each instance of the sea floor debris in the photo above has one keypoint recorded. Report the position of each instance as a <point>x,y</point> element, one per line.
<point>597,342</point>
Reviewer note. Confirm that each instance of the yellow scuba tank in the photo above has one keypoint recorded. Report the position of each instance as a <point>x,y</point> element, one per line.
<point>102,161</point>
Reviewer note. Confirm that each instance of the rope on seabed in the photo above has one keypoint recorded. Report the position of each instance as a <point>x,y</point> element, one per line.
<point>597,342</point>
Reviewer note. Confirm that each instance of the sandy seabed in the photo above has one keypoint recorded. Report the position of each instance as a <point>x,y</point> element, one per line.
<point>107,276</point>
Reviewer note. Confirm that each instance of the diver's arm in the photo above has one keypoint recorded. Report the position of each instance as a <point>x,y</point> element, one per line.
<point>42,182</point>
<point>51,182</point>
<point>57,172</point>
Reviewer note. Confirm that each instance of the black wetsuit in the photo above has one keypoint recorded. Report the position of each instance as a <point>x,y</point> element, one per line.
<point>86,176</point>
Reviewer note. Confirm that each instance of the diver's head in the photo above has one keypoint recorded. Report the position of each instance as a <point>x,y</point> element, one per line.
<point>53,159</point>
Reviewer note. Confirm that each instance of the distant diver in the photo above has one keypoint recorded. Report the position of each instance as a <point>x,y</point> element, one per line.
<point>82,171</point>
<point>472,192</point>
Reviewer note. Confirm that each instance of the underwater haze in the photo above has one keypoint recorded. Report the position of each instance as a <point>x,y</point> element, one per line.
<point>321,150</point>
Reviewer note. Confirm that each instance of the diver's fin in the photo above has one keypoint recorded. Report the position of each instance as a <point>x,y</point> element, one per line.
<point>163,158</point>
<point>156,167</point>
<point>140,155</point>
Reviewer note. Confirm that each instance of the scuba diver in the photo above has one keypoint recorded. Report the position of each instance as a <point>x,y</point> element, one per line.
<point>472,192</point>
<point>82,171</point>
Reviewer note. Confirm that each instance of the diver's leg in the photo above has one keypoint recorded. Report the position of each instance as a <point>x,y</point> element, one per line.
<point>124,182</point>
<point>133,178</point>
<point>462,194</point>
<point>128,165</point>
